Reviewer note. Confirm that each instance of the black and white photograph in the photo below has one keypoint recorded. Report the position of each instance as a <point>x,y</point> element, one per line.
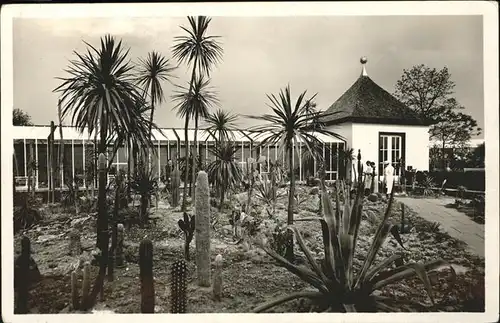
<point>231,158</point>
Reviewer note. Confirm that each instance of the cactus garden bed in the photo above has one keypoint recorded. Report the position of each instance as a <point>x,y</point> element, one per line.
<point>250,277</point>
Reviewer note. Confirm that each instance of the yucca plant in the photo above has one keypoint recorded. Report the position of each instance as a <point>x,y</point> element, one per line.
<point>145,184</point>
<point>224,171</point>
<point>339,287</point>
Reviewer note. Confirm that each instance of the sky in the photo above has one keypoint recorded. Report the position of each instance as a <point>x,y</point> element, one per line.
<point>261,56</point>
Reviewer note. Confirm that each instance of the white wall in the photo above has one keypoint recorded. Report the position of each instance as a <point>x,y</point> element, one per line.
<point>365,137</point>
<point>344,129</point>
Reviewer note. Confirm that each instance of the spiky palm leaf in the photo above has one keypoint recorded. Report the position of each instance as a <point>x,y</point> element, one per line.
<point>290,124</point>
<point>197,48</point>
<point>221,125</point>
<point>203,53</point>
<point>154,70</point>
<point>339,287</point>
<point>100,91</point>
<point>224,171</point>
<point>196,100</point>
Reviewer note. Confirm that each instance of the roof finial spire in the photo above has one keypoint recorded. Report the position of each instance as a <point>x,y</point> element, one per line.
<point>363,61</point>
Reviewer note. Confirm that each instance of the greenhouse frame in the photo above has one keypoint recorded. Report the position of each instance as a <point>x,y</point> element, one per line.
<point>170,143</point>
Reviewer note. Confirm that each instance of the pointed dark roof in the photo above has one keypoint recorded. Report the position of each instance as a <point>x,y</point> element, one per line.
<point>367,102</point>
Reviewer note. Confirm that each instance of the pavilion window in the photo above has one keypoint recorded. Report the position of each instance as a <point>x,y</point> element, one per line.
<point>153,161</point>
<point>164,156</point>
<point>79,160</point>
<point>67,171</point>
<point>19,151</point>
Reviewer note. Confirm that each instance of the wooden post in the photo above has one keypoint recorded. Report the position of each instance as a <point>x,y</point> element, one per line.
<point>61,145</point>
<point>51,163</point>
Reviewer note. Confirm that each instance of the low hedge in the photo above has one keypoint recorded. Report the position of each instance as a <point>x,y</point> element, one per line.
<point>474,181</point>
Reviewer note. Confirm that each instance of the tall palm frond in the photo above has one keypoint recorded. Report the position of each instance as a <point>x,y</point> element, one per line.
<point>290,124</point>
<point>203,53</point>
<point>197,100</point>
<point>154,70</point>
<point>224,171</point>
<point>100,90</point>
<point>222,124</point>
<point>196,48</point>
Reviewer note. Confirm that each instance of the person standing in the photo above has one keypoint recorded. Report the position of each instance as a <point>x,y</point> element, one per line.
<point>368,177</point>
<point>374,178</point>
<point>388,177</point>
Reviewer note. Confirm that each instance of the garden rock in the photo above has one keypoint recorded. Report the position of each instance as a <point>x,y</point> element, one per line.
<point>373,197</point>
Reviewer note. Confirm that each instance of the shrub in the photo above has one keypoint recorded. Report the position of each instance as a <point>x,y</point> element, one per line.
<point>26,215</point>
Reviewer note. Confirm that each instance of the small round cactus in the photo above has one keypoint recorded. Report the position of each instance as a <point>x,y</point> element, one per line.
<point>178,273</point>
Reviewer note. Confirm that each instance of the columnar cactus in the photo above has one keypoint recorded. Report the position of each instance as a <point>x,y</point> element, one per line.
<point>217,285</point>
<point>146,274</point>
<point>75,245</point>
<point>74,291</point>
<point>119,259</point>
<point>176,183</point>
<point>187,225</point>
<point>178,273</point>
<point>86,283</point>
<point>22,279</point>
<point>202,226</point>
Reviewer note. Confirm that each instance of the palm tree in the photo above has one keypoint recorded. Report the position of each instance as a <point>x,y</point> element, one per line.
<point>194,101</point>
<point>154,70</point>
<point>100,92</point>
<point>289,124</point>
<point>202,52</point>
<point>224,171</point>
<point>134,139</point>
<point>221,124</point>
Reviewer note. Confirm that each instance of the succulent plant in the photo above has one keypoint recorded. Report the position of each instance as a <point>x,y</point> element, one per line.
<point>187,225</point>
<point>178,275</point>
<point>146,274</point>
<point>338,287</point>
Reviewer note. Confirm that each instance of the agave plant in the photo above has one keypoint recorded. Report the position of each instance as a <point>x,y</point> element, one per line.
<point>428,185</point>
<point>268,194</point>
<point>339,287</point>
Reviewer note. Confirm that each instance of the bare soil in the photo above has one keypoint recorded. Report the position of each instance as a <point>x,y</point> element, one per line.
<point>250,277</point>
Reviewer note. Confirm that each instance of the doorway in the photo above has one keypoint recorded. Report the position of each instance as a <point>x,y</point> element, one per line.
<point>391,148</point>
